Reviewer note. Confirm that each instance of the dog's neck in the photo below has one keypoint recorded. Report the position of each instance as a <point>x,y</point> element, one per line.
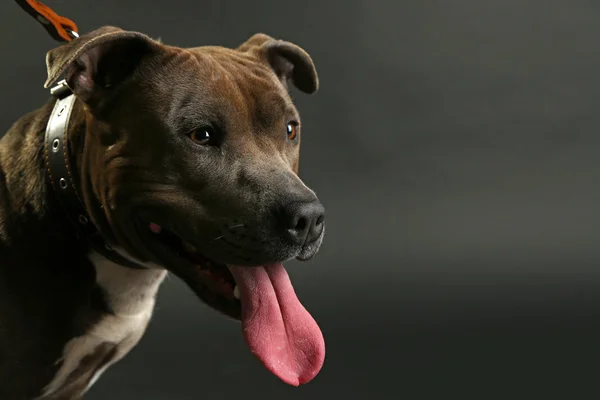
<point>25,194</point>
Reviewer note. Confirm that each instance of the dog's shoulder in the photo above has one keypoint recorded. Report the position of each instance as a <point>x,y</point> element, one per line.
<point>45,282</point>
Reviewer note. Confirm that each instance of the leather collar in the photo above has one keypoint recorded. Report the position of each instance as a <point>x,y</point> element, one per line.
<point>60,173</point>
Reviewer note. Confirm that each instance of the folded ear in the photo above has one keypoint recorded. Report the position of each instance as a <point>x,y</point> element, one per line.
<point>289,61</point>
<point>96,62</point>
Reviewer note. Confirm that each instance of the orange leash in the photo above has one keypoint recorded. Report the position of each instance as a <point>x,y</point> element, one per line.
<point>60,28</point>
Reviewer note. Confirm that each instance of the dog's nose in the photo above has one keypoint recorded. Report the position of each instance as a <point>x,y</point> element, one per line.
<point>304,221</point>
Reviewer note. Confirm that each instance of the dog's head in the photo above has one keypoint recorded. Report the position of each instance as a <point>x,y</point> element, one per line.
<point>190,156</point>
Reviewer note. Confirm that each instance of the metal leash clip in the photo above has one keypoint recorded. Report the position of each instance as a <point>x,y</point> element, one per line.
<point>60,28</point>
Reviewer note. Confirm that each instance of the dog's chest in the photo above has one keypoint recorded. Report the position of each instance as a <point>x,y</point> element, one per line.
<point>130,294</point>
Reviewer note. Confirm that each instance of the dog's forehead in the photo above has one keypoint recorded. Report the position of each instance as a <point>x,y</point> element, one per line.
<point>227,79</point>
<point>233,69</point>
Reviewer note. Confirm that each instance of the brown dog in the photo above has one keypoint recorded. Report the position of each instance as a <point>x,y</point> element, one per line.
<point>182,160</point>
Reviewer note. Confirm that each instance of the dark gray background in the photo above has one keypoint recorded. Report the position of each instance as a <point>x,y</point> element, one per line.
<point>454,144</point>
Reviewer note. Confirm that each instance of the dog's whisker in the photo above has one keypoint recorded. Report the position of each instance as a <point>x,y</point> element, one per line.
<point>236,226</point>
<point>217,238</point>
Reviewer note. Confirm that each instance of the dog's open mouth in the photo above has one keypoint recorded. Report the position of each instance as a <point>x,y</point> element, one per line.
<point>276,327</point>
<point>219,288</point>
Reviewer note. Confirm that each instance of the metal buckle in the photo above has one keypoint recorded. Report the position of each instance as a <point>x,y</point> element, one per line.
<point>61,90</point>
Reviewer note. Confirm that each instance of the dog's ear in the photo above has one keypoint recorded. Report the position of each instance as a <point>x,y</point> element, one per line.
<point>98,61</point>
<point>289,61</point>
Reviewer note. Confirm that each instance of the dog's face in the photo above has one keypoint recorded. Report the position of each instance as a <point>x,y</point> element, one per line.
<point>195,153</point>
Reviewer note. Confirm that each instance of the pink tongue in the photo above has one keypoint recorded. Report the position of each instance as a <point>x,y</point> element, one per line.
<point>278,329</point>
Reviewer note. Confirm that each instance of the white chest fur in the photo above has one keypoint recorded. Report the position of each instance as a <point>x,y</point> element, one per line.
<point>130,294</point>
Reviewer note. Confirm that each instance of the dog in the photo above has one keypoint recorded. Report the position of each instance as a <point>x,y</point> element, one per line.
<point>178,160</point>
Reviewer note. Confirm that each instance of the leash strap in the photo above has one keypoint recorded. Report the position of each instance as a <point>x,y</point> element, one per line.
<point>60,28</point>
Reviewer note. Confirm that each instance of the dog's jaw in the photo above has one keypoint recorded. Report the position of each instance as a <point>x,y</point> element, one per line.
<point>210,280</point>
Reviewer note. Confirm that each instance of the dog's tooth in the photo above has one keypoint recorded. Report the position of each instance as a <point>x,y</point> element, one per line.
<point>154,228</point>
<point>188,247</point>
<point>236,292</point>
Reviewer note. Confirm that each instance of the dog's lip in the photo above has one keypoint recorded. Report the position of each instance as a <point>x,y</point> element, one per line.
<point>201,275</point>
<point>309,250</point>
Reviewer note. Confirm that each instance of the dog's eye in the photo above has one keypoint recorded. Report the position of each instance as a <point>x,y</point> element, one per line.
<point>204,136</point>
<point>292,130</point>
